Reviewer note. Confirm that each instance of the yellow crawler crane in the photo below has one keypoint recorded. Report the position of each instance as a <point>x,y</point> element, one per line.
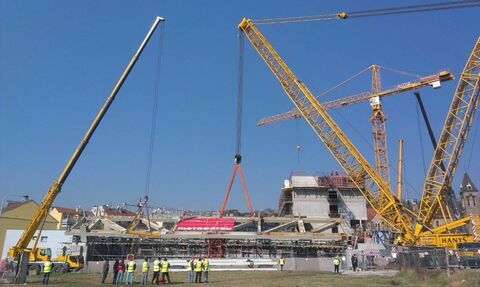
<point>449,148</point>
<point>370,183</point>
<point>375,189</point>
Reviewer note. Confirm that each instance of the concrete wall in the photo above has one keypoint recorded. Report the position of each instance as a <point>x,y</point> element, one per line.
<point>313,202</point>
<point>312,264</point>
<point>354,202</point>
<point>19,218</point>
<point>53,239</point>
<point>303,181</point>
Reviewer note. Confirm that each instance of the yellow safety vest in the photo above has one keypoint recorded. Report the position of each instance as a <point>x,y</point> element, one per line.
<point>282,261</point>
<point>164,266</point>
<point>189,265</point>
<point>131,266</point>
<point>198,266</point>
<point>156,265</point>
<point>47,266</point>
<point>206,265</point>
<point>145,266</point>
<point>336,261</point>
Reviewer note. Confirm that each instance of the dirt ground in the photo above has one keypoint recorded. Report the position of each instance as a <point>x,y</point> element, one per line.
<point>470,278</point>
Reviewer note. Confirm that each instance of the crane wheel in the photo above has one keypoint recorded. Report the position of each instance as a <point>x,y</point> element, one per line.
<point>34,269</point>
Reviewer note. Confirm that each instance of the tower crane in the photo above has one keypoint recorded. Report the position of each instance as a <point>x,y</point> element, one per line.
<point>378,116</point>
<point>369,181</point>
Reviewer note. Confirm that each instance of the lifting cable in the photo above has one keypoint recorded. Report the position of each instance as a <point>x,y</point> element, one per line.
<point>404,73</point>
<point>343,82</point>
<point>153,124</point>
<point>238,143</point>
<point>370,13</point>
<point>298,146</point>
<point>475,133</point>
<point>408,74</point>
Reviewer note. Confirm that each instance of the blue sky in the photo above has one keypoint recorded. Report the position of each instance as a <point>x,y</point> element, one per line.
<point>59,60</point>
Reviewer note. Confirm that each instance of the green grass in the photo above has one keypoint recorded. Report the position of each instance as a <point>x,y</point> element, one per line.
<point>288,278</point>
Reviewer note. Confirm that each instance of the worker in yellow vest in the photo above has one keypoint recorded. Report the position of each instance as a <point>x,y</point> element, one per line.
<point>189,266</point>
<point>165,268</point>
<point>198,270</point>
<point>336,264</point>
<point>156,270</point>
<point>206,268</point>
<point>131,266</point>
<point>47,269</point>
<point>281,262</point>
<point>145,268</point>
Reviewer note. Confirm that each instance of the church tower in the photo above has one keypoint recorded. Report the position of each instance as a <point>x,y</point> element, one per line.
<point>469,197</point>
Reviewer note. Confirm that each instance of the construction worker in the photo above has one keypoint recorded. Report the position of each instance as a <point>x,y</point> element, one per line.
<point>281,262</point>
<point>198,270</point>
<point>165,268</point>
<point>121,270</point>
<point>115,271</point>
<point>206,268</point>
<point>189,266</point>
<point>336,264</point>
<point>131,266</point>
<point>156,270</point>
<point>145,268</point>
<point>354,262</point>
<point>106,266</point>
<point>47,269</point>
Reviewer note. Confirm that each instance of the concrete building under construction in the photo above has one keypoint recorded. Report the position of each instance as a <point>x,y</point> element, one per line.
<point>332,196</point>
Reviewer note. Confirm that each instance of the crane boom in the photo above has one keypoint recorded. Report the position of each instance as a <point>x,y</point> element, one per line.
<point>376,191</point>
<point>56,186</point>
<point>451,141</point>
<point>440,76</point>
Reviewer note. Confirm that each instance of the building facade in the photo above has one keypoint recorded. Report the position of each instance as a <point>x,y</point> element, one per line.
<point>333,196</point>
<point>17,215</point>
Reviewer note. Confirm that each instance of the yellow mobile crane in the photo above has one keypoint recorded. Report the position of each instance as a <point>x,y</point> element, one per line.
<point>21,250</point>
<point>413,227</point>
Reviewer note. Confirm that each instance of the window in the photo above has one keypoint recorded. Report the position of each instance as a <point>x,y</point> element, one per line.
<point>335,229</point>
<point>43,238</point>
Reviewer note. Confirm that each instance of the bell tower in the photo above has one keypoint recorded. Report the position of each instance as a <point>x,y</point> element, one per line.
<point>469,197</point>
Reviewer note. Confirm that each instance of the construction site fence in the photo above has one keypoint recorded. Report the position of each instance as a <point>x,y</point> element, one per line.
<point>420,259</point>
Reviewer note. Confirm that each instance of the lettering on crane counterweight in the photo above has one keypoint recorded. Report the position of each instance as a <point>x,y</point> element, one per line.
<point>450,240</point>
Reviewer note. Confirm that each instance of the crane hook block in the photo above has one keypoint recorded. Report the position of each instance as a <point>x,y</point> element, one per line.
<point>238,159</point>
<point>342,15</point>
